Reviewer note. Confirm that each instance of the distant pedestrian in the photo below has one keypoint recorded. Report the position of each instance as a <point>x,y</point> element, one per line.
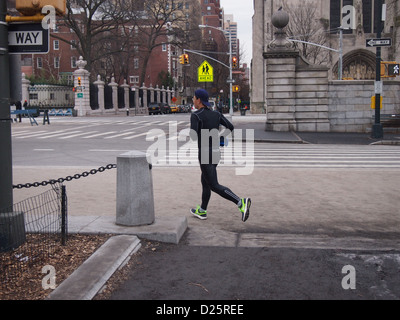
<point>220,105</point>
<point>204,122</point>
<point>18,106</point>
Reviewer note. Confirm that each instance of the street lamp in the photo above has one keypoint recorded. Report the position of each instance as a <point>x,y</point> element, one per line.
<point>230,65</point>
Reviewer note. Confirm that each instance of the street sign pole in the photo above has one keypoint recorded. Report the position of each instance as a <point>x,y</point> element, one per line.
<point>6,190</point>
<point>377,129</point>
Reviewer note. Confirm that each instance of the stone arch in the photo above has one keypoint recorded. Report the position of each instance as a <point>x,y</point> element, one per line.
<point>358,65</point>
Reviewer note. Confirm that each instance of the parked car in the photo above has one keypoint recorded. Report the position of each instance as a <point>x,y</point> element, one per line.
<point>154,108</point>
<point>188,108</point>
<point>174,108</point>
<point>165,108</point>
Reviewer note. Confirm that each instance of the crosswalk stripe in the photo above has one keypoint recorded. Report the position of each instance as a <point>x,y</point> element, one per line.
<point>268,157</point>
<point>120,135</point>
<point>52,135</point>
<point>77,135</point>
<point>99,134</point>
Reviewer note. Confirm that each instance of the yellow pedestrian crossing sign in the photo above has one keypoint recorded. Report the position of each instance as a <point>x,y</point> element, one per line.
<point>205,72</point>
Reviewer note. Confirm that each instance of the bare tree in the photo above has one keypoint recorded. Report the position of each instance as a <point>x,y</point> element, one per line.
<point>93,22</point>
<point>156,23</point>
<point>305,26</point>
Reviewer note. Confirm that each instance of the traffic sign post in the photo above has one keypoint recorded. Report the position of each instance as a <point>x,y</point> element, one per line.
<point>377,128</point>
<point>28,38</point>
<point>6,169</point>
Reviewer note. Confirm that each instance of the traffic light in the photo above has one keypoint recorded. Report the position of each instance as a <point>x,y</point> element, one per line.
<point>393,69</point>
<point>32,7</point>
<point>79,81</point>
<point>235,88</point>
<point>234,62</point>
<point>181,59</point>
<point>186,58</point>
<point>390,69</point>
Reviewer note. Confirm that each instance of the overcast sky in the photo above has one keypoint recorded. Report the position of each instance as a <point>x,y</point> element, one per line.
<point>242,11</point>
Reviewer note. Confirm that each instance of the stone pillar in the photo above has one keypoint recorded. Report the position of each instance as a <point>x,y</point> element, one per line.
<point>151,93</point>
<point>281,78</point>
<point>137,93</point>
<point>135,199</point>
<point>114,87</point>
<point>296,91</point>
<point>25,89</point>
<point>82,94</point>
<point>169,95</point>
<point>158,94</point>
<point>144,102</point>
<point>100,93</point>
<point>126,94</point>
<point>163,95</point>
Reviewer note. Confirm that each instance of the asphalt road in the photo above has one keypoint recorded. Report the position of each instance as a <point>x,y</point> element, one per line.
<point>198,271</point>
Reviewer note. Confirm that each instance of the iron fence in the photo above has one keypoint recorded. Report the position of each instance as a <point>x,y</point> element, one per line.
<point>30,232</point>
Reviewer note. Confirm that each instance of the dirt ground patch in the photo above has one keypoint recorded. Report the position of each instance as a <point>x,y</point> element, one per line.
<point>65,260</point>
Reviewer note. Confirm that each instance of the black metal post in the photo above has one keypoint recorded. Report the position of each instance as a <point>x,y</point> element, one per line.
<point>377,129</point>
<point>63,215</point>
<point>6,189</point>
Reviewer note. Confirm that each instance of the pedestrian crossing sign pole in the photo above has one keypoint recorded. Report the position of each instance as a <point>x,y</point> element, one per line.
<point>205,72</point>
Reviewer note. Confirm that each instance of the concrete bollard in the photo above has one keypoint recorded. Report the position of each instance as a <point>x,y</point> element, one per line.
<point>135,199</point>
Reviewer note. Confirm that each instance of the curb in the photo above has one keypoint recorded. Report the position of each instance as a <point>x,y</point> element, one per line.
<point>386,143</point>
<point>86,281</point>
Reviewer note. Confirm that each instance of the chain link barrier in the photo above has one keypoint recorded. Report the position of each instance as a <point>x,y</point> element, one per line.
<point>68,178</point>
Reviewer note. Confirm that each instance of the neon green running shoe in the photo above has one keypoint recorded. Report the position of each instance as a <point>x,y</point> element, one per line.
<point>245,208</point>
<point>199,213</point>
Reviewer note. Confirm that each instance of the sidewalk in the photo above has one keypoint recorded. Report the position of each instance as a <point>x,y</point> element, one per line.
<point>257,122</point>
<point>292,208</point>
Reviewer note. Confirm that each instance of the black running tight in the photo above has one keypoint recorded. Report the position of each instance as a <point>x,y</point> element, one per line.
<point>209,181</point>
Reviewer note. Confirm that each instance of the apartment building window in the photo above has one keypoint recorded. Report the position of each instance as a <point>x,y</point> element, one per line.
<point>39,62</point>
<point>164,47</point>
<point>56,44</point>
<point>136,63</point>
<point>73,62</point>
<point>73,44</point>
<point>134,79</point>
<point>57,62</point>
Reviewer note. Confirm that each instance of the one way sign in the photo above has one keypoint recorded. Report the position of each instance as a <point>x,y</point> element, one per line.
<point>28,38</point>
<point>380,42</point>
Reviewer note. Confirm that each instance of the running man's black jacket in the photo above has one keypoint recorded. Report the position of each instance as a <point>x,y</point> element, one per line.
<point>205,123</point>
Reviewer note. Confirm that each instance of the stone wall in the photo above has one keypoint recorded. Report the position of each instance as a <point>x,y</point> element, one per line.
<point>311,98</point>
<point>350,104</point>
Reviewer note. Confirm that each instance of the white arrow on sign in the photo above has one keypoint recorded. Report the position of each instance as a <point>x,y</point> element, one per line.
<point>379,42</point>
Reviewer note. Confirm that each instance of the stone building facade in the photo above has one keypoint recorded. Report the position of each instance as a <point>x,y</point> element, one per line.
<point>335,104</point>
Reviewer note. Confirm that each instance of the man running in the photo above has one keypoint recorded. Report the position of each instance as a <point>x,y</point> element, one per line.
<point>204,124</point>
